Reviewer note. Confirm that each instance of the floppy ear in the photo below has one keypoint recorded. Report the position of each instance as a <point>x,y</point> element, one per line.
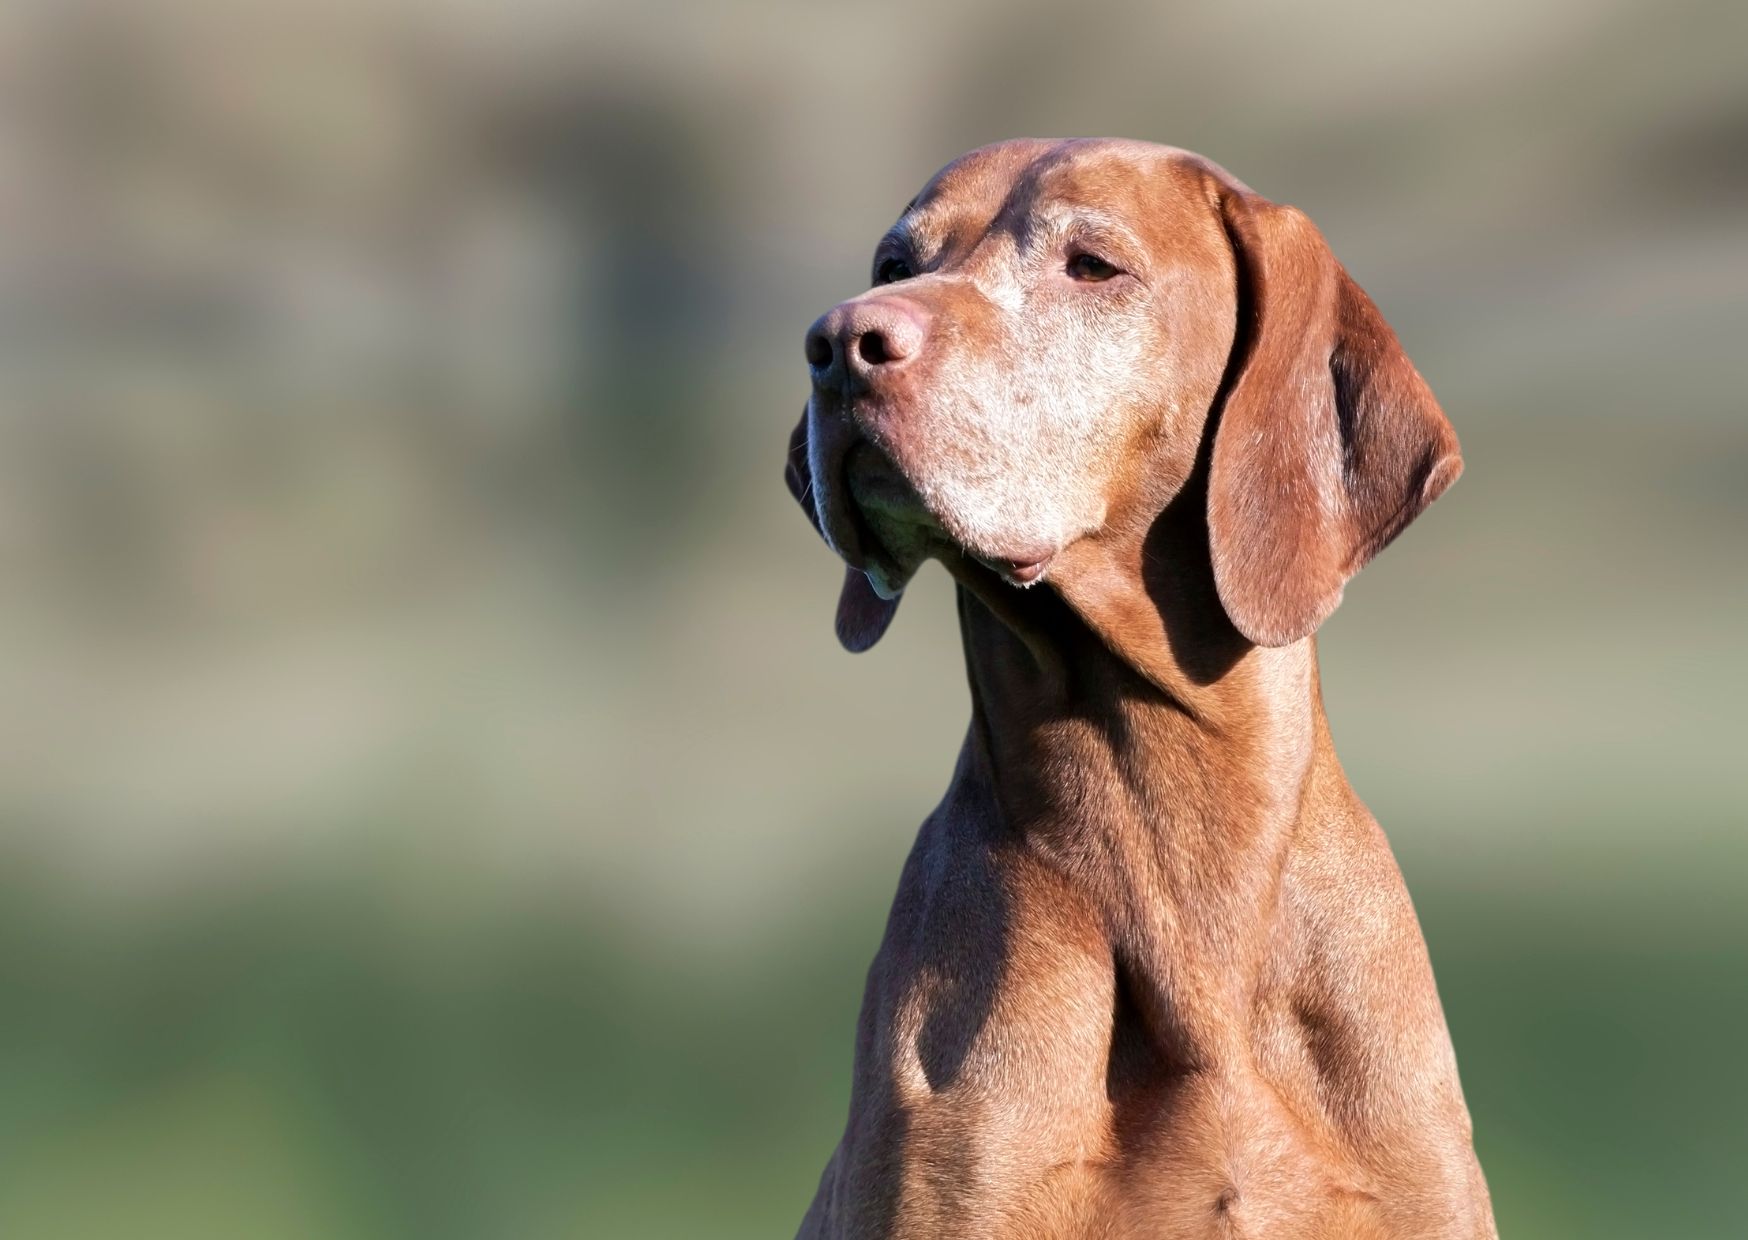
<point>862,614</point>
<point>1329,442</point>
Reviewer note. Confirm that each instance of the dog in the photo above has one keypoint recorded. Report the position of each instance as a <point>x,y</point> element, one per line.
<point>1151,970</point>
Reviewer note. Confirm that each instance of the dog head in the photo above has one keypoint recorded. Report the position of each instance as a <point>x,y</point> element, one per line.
<point>1058,336</point>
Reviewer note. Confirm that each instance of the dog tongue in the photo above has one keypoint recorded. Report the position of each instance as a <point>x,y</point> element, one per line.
<point>862,614</point>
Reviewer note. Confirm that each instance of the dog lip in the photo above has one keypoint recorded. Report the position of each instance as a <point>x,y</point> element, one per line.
<point>854,535</point>
<point>1020,572</point>
<point>876,484</point>
<point>1025,573</point>
<point>850,535</point>
<point>832,438</point>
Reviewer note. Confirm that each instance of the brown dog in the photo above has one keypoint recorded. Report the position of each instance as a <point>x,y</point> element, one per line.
<point>1151,970</point>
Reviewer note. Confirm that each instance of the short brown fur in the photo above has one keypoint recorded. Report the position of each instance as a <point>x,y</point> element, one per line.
<point>1151,970</point>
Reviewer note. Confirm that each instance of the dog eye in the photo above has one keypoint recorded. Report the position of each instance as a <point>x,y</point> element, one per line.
<point>1091,267</point>
<point>892,269</point>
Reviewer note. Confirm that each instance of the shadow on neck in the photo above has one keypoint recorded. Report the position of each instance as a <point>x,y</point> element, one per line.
<point>1123,675</point>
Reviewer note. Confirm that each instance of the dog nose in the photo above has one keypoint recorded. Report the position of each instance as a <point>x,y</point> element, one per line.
<point>861,339</point>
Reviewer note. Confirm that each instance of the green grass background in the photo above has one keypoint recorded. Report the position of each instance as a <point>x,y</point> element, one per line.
<point>432,803</point>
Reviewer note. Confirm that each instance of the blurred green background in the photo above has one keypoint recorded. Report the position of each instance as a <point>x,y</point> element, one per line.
<point>433,802</point>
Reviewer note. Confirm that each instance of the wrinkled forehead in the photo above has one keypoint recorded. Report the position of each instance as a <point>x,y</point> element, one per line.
<point>1151,191</point>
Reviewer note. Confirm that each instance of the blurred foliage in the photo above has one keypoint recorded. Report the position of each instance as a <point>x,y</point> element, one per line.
<point>433,802</point>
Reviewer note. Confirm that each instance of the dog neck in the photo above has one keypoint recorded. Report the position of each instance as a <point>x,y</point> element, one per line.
<point>1132,737</point>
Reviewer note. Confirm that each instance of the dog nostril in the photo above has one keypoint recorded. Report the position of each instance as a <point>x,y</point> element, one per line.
<point>819,350</point>
<point>872,347</point>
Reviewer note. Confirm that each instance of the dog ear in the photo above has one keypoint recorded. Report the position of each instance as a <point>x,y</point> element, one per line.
<point>862,614</point>
<point>1329,442</point>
